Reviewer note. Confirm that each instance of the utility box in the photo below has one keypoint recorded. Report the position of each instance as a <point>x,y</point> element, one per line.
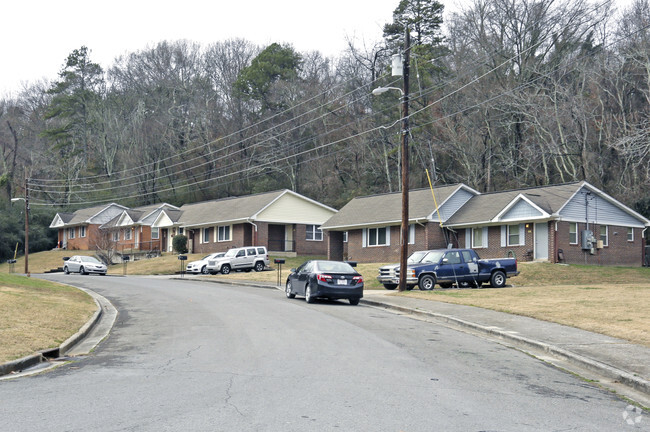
<point>587,239</point>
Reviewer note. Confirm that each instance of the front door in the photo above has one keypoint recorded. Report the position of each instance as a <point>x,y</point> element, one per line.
<point>277,238</point>
<point>541,241</point>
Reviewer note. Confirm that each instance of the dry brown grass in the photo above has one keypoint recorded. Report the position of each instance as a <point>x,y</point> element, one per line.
<point>607,300</point>
<point>37,315</point>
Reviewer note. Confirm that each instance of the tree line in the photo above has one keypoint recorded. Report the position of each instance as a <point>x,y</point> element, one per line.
<point>504,94</point>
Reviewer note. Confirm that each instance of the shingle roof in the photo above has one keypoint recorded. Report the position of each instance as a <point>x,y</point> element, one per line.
<point>226,209</point>
<point>387,208</point>
<point>485,207</point>
<point>85,215</point>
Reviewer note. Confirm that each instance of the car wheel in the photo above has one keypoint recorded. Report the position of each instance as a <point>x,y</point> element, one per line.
<point>66,270</point>
<point>204,270</point>
<point>308,297</point>
<point>225,269</point>
<point>259,266</point>
<point>354,301</point>
<point>288,291</point>
<point>409,287</point>
<point>390,286</point>
<point>498,279</point>
<point>427,282</point>
<point>82,270</point>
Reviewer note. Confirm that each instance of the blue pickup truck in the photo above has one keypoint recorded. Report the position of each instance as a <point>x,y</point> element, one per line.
<point>446,267</point>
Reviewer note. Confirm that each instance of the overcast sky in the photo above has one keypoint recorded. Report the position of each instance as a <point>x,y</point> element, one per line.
<point>38,35</point>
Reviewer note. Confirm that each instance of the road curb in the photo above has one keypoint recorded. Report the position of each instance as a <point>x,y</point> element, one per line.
<point>52,353</point>
<point>600,368</point>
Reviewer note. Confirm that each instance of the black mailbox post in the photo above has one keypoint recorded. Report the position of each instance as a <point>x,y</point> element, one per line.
<point>125,261</point>
<point>182,259</point>
<point>279,262</point>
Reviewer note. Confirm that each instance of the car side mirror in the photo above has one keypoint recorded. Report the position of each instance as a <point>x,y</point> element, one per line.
<point>444,261</point>
<point>293,270</point>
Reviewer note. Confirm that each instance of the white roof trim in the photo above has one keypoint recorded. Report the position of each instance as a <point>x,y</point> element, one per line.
<point>297,195</point>
<point>514,202</point>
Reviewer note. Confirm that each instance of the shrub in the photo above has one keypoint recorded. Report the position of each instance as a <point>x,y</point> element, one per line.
<point>179,243</point>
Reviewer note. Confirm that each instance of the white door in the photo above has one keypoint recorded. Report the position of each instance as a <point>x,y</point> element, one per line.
<point>541,241</point>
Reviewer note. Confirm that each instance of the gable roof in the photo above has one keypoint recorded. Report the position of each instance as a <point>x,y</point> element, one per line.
<point>91,215</point>
<point>137,216</point>
<point>536,203</point>
<point>386,209</point>
<point>235,209</point>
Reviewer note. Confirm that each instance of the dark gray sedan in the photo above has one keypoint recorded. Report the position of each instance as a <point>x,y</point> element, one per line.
<point>325,279</point>
<point>84,265</point>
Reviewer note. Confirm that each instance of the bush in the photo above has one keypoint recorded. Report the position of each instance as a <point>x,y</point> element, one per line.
<point>179,243</point>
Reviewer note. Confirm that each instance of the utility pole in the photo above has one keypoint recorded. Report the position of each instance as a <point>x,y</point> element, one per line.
<point>403,257</point>
<point>26,224</point>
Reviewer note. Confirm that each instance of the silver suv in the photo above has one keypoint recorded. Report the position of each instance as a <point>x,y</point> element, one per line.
<point>244,258</point>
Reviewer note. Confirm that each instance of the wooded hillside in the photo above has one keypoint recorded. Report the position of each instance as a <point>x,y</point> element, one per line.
<point>503,95</point>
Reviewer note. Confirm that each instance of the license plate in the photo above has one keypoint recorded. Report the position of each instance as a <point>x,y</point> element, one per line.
<point>341,282</point>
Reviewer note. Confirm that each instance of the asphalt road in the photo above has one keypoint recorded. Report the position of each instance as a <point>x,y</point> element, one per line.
<point>192,356</point>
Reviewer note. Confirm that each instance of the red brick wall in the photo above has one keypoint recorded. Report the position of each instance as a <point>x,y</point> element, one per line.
<point>618,252</point>
<point>310,247</point>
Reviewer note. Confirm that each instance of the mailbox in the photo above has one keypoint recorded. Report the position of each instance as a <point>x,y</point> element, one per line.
<point>126,258</point>
<point>11,261</point>
<point>278,261</point>
<point>352,263</point>
<point>182,257</point>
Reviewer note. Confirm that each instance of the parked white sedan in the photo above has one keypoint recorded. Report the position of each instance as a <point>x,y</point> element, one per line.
<point>200,265</point>
<point>84,265</point>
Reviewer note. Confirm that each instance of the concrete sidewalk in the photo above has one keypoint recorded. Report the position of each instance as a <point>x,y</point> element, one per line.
<point>615,363</point>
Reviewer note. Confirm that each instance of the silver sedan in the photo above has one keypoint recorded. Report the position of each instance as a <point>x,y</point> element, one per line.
<point>84,265</point>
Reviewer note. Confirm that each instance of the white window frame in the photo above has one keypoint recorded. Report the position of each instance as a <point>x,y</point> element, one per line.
<point>116,236</point>
<point>314,231</point>
<point>573,225</point>
<point>605,240</point>
<point>82,231</point>
<point>509,233</point>
<point>71,233</point>
<point>205,235</point>
<point>155,233</point>
<point>474,244</point>
<point>630,234</point>
<point>221,231</point>
<point>345,236</point>
<point>127,234</point>
<point>373,234</point>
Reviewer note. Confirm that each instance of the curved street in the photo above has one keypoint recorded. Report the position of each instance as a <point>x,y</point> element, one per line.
<point>187,355</point>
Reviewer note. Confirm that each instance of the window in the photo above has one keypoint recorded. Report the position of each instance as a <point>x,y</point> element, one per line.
<point>181,231</point>
<point>452,257</point>
<point>116,236</point>
<point>206,235</point>
<point>70,233</point>
<point>314,233</point>
<point>603,234</point>
<point>513,235</point>
<point>155,233</point>
<point>630,234</point>
<point>345,236</point>
<point>573,232</point>
<point>82,231</point>
<point>127,234</point>
<point>377,236</point>
<point>477,238</point>
<point>224,233</point>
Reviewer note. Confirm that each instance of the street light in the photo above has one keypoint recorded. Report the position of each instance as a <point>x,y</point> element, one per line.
<point>403,256</point>
<point>26,199</point>
<point>26,231</point>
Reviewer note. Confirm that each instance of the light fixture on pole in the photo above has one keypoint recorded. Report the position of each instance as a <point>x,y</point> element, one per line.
<point>404,238</point>
<point>26,199</point>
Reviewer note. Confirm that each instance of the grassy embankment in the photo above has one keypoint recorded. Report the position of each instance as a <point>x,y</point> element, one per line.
<point>37,315</point>
<point>608,300</point>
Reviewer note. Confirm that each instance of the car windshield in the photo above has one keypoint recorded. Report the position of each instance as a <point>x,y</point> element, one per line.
<point>416,257</point>
<point>334,267</point>
<point>231,253</point>
<point>432,257</point>
<point>90,260</point>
